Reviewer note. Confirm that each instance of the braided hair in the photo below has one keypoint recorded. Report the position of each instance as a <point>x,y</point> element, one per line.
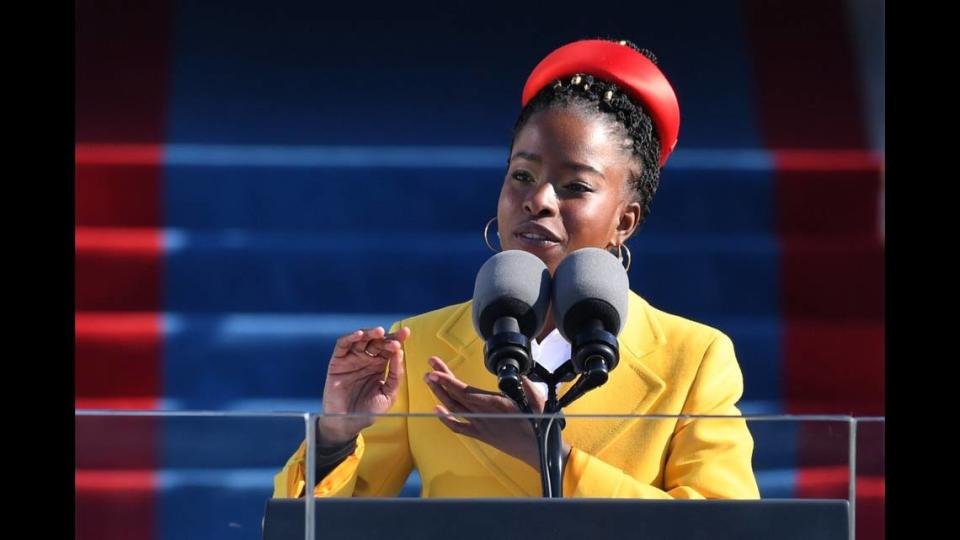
<point>596,96</point>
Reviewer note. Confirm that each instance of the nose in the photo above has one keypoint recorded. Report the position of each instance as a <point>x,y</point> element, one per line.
<point>541,200</point>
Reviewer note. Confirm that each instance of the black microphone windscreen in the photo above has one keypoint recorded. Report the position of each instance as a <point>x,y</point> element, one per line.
<point>590,284</point>
<point>514,284</point>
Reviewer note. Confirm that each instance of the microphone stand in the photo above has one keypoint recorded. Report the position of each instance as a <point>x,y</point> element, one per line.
<point>548,428</point>
<point>507,351</point>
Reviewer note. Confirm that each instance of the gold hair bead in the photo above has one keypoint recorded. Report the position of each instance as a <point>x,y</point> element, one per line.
<point>586,86</point>
<point>557,85</point>
<point>575,80</point>
<point>608,96</point>
<point>622,42</point>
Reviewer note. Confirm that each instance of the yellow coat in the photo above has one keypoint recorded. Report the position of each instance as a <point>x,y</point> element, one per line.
<point>668,366</point>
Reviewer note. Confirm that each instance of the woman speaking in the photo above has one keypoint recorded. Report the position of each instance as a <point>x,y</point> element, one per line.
<point>598,122</point>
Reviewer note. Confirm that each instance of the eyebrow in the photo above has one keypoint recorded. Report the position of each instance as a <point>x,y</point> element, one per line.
<point>568,164</point>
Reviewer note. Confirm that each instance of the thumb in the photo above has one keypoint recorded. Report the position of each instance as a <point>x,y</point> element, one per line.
<point>536,393</point>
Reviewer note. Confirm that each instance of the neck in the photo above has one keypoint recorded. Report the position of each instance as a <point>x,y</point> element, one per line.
<point>548,327</point>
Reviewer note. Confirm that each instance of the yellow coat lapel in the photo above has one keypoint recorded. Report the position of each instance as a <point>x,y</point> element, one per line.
<point>632,389</point>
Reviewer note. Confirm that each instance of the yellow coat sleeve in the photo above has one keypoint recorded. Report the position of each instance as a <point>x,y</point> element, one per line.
<point>708,458</point>
<point>378,467</point>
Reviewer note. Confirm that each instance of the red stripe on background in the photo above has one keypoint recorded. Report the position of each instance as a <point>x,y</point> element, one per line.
<point>118,359</point>
<point>871,487</point>
<point>116,442</point>
<point>115,504</point>
<point>117,154</point>
<point>828,160</point>
<point>115,484</point>
<point>824,482</point>
<point>804,67</point>
<point>832,266</point>
<point>870,509</point>
<point>109,325</point>
<point>832,276</point>
<point>834,483</point>
<point>819,205</point>
<point>114,480</point>
<point>118,269</point>
<point>117,195</point>
<point>117,403</point>
<point>834,281</point>
<point>121,91</point>
<point>116,240</point>
<point>835,368</point>
<point>118,185</point>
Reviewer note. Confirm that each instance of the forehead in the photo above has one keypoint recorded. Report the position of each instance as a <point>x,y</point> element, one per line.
<point>571,134</point>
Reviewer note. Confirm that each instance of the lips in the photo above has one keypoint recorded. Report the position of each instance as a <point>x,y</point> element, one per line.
<point>536,234</point>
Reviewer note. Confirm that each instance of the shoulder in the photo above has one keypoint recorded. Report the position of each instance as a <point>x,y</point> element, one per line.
<point>671,329</point>
<point>696,358</point>
<point>683,330</point>
<point>680,345</point>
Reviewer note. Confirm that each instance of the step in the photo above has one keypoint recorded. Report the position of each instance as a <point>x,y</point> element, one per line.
<point>211,360</point>
<point>698,277</point>
<point>185,440</point>
<point>434,200</point>
<point>320,188</point>
<point>259,272</point>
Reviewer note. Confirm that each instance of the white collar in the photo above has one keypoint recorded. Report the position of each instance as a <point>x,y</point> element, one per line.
<point>552,352</point>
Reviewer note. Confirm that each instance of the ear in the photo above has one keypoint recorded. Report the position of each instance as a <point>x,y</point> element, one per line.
<point>629,221</point>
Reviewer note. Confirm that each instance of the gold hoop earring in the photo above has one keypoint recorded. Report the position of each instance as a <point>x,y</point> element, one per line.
<point>486,238</point>
<point>620,249</point>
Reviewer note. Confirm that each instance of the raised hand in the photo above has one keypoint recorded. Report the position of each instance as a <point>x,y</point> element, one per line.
<point>513,436</point>
<point>363,377</point>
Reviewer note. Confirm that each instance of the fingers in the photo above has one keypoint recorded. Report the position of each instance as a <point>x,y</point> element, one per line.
<point>450,402</point>
<point>355,341</point>
<point>344,343</point>
<point>395,369</point>
<point>448,389</point>
<point>534,394</point>
<point>439,365</point>
<point>460,390</point>
<point>444,376</point>
<point>457,426</point>
<point>400,335</point>
<point>369,335</point>
<point>378,339</point>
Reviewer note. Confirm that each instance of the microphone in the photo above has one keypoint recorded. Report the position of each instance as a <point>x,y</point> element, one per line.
<point>590,296</point>
<point>511,297</point>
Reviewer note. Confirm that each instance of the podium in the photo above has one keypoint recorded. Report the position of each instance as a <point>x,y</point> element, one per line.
<point>594,519</point>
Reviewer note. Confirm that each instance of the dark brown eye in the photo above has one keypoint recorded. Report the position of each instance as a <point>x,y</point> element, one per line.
<point>578,187</point>
<point>522,176</point>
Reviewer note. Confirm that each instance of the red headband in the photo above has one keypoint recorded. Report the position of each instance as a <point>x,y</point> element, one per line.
<point>619,64</point>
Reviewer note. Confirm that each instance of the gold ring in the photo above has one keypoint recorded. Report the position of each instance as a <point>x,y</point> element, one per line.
<point>370,354</point>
